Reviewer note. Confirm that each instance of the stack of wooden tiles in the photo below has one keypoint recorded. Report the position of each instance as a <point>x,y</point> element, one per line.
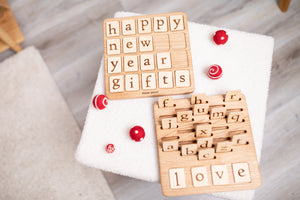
<point>205,144</point>
<point>147,56</point>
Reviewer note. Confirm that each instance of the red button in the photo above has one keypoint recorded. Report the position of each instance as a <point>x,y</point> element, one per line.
<point>220,37</point>
<point>100,102</point>
<point>137,133</point>
<point>214,72</point>
<point>110,148</point>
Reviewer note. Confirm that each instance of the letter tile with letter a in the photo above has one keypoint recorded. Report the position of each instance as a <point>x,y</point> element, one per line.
<point>171,145</point>
<point>128,27</point>
<point>177,178</point>
<point>219,174</point>
<point>199,176</point>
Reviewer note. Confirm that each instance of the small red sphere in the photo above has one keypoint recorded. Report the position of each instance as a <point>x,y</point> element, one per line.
<point>100,102</point>
<point>137,133</point>
<point>220,37</point>
<point>110,148</point>
<point>214,72</point>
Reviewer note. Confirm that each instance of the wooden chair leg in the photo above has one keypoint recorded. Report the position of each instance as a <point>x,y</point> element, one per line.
<point>284,5</point>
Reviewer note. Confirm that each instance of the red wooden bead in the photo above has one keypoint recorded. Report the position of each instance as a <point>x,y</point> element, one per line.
<point>137,133</point>
<point>110,148</point>
<point>100,102</point>
<point>214,72</point>
<point>220,37</point>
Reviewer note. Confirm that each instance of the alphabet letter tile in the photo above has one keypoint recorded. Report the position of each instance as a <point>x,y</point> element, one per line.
<point>116,83</point>
<point>170,145</point>
<point>182,78</point>
<point>132,82</point>
<point>148,81</point>
<point>203,130</point>
<point>200,109</point>
<point>241,172</point>
<point>177,178</point>
<point>239,139</point>
<point>163,60</point>
<point>204,154</point>
<point>184,116</point>
<point>168,123</point>
<point>176,22</point>
<point>199,176</point>
<point>165,102</point>
<point>199,99</point>
<point>188,149</point>
<point>160,24</point>
<point>223,147</point>
<point>114,64</point>
<point>217,113</point>
<point>144,25</point>
<point>147,62</point>
<point>129,44</point>
<point>165,79</point>
<point>235,117</point>
<point>112,28</point>
<point>145,43</point>
<point>128,27</point>
<point>113,46</point>
<point>234,95</point>
<point>219,174</point>
<point>130,63</point>
<point>205,142</point>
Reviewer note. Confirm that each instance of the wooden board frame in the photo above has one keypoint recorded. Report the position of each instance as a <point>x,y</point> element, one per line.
<point>221,131</point>
<point>177,63</point>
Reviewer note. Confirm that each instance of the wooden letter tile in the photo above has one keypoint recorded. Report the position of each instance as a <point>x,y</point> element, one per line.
<point>234,95</point>
<point>177,41</point>
<point>199,176</point>
<point>235,117</point>
<point>113,46</point>
<point>188,149</point>
<point>145,43</point>
<point>182,78</point>
<point>114,64</point>
<point>205,142</point>
<point>147,61</point>
<point>165,102</point>
<point>165,79</point>
<point>112,28</point>
<point>241,172</point>
<point>176,22</point>
<point>219,174</point>
<point>168,123</point>
<point>161,42</point>
<point>179,59</point>
<point>163,60</point>
<point>144,25</point>
<point>130,63</point>
<point>203,130</point>
<point>223,147</point>
<point>116,83</point>
<point>200,109</point>
<point>148,81</point>
<point>177,178</point>
<point>239,139</point>
<point>129,44</point>
<point>217,113</point>
<point>170,145</point>
<point>132,82</point>
<point>128,27</point>
<point>184,116</point>
<point>160,24</point>
<point>199,99</point>
<point>204,154</point>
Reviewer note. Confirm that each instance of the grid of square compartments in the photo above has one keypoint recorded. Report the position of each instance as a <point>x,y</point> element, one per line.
<point>205,144</point>
<point>147,56</point>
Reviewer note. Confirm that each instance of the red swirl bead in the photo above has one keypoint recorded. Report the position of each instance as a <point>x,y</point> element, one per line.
<point>220,37</point>
<point>137,133</point>
<point>110,148</point>
<point>100,102</point>
<point>214,72</point>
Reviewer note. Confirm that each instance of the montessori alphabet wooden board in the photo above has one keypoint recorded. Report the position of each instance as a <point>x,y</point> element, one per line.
<point>147,56</point>
<point>205,144</point>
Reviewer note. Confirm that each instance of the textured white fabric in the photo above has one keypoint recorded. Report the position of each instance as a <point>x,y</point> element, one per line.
<point>246,61</point>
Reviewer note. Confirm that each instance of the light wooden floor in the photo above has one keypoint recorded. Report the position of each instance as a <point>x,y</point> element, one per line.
<point>69,36</point>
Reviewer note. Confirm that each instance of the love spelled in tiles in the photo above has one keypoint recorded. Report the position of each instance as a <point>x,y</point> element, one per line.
<point>147,56</point>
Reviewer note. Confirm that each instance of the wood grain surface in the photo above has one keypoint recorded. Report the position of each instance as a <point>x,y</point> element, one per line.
<point>69,35</point>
